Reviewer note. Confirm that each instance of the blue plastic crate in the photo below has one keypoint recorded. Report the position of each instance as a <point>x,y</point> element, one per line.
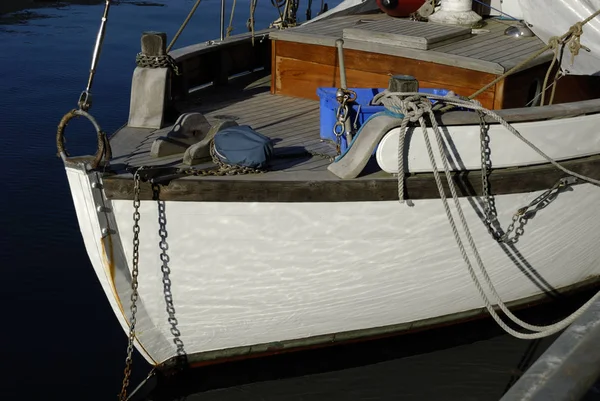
<point>364,96</point>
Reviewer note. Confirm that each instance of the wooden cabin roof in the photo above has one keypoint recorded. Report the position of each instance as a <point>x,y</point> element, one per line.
<point>487,49</point>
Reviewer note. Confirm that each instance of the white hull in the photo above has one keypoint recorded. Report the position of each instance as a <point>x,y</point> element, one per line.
<point>259,273</point>
<point>561,139</point>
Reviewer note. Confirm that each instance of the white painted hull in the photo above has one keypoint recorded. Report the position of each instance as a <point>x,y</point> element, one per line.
<point>259,273</point>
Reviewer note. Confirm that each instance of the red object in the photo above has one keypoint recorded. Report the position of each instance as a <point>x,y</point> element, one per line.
<point>399,8</point>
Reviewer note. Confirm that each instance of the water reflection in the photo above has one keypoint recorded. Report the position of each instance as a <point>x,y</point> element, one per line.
<point>11,6</point>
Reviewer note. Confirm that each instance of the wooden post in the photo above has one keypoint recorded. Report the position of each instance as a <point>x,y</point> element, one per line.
<point>150,85</point>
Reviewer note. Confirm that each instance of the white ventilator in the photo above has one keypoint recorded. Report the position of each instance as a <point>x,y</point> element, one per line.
<point>456,12</point>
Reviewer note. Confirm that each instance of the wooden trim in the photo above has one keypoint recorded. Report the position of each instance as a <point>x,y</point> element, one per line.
<point>323,188</point>
<point>499,95</point>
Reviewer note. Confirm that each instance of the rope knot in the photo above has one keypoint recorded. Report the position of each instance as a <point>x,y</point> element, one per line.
<point>553,42</point>
<point>413,107</point>
<point>411,110</point>
<point>574,41</point>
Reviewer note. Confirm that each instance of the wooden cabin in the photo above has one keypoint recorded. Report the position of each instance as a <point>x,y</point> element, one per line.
<point>376,46</point>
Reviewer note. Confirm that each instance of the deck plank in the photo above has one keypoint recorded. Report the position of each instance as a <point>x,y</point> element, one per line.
<point>292,123</point>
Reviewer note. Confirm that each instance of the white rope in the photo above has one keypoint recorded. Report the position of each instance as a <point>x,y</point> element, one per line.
<point>401,140</point>
<point>413,106</point>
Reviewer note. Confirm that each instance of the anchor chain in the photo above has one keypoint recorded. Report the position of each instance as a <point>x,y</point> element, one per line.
<point>164,174</point>
<point>166,279</point>
<point>134,283</point>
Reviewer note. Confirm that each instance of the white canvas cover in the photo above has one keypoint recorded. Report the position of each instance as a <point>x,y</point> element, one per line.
<point>555,17</point>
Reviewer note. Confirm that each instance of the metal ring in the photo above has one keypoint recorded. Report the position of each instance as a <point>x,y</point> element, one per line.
<point>352,96</point>
<point>103,144</point>
<point>341,129</point>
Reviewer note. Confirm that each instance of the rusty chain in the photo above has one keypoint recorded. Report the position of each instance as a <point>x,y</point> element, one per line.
<point>166,61</point>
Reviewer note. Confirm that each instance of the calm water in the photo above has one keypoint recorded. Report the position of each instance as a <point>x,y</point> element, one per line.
<point>59,339</point>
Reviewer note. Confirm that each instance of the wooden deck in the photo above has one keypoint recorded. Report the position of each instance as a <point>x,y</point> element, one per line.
<point>292,123</point>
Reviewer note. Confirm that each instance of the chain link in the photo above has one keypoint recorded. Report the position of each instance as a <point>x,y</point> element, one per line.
<point>522,216</point>
<point>134,283</point>
<point>166,279</point>
<point>343,96</point>
<point>224,168</point>
<point>166,61</point>
<point>489,204</point>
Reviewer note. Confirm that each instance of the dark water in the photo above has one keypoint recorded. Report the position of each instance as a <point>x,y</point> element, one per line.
<point>59,338</point>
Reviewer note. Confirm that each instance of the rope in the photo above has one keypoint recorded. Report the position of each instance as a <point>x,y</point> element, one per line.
<point>251,19</point>
<point>230,27</point>
<point>413,107</point>
<point>183,25</point>
<point>555,44</point>
<point>401,141</point>
<point>571,37</point>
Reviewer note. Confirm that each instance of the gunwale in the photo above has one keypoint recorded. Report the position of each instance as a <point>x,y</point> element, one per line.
<point>322,186</point>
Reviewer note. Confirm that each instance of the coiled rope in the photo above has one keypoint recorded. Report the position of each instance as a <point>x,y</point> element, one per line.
<point>414,106</point>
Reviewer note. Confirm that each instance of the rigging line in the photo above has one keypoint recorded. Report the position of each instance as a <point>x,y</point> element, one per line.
<point>183,25</point>
<point>230,27</point>
<point>536,97</point>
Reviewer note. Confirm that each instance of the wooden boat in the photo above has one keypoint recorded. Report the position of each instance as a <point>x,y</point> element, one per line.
<point>229,266</point>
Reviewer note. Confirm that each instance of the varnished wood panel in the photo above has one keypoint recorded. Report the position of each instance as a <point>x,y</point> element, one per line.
<point>572,88</point>
<point>299,69</point>
<point>499,95</point>
<point>273,54</point>
<point>301,79</point>
<point>385,64</point>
